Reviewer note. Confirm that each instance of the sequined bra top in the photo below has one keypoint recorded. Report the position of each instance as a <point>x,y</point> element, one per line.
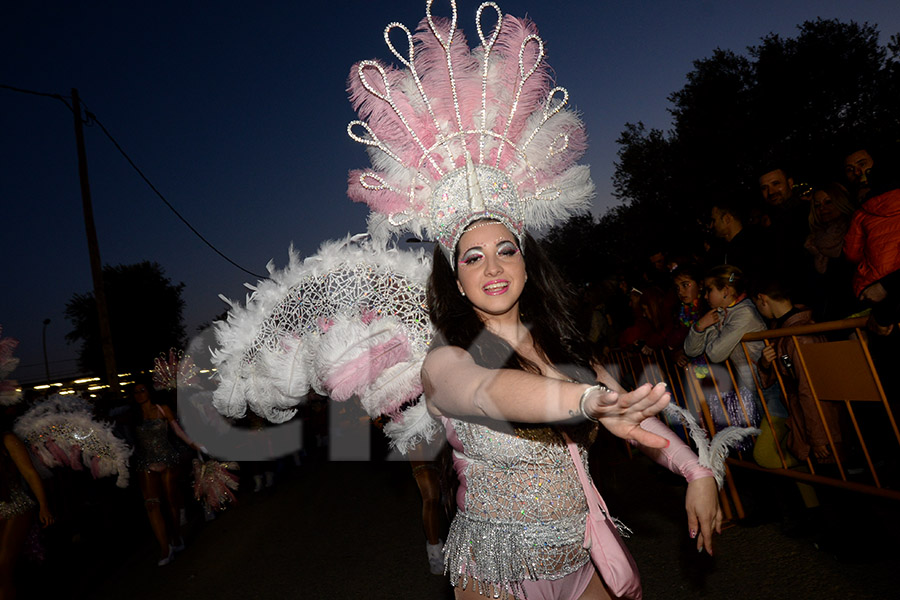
<point>522,508</point>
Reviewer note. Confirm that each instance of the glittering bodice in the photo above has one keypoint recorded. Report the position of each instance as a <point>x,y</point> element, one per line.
<point>153,447</point>
<point>523,510</point>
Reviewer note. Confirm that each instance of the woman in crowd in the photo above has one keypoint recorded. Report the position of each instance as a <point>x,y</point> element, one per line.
<point>829,219</point>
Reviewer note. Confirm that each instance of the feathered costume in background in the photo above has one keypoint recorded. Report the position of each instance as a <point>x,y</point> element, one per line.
<point>9,388</point>
<point>62,432</point>
<point>214,484</point>
<point>174,370</point>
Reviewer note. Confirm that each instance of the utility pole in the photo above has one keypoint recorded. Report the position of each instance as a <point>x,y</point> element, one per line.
<point>94,250</point>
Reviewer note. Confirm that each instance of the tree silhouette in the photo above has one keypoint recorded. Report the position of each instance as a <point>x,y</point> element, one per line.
<point>145,313</point>
<point>798,102</point>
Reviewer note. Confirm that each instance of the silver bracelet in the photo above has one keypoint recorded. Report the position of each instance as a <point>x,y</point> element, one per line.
<point>600,388</point>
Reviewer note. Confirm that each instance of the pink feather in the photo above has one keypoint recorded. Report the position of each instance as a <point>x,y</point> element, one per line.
<point>382,201</point>
<point>75,457</point>
<point>534,91</point>
<point>368,316</point>
<point>350,378</point>
<point>61,457</point>
<point>392,410</point>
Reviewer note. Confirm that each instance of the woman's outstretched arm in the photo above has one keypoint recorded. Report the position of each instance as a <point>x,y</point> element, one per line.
<point>456,386</point>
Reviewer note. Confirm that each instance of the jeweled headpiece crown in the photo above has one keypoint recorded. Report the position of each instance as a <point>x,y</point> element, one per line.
<point>458,135</point>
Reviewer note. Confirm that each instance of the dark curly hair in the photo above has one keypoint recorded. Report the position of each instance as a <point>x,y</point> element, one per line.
<point>544,307</point>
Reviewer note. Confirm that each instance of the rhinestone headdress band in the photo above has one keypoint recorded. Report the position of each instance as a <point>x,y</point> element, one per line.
<point>457,135</point>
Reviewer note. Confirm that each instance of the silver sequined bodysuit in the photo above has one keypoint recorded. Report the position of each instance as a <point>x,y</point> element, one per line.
<point>522,510</point>
<point>154,451</point>
<point>14,500</point>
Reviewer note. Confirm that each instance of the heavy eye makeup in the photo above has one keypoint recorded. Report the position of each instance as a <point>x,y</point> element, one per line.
<point>504,249</point>
<point>507,249</point>
<point>471,257</point>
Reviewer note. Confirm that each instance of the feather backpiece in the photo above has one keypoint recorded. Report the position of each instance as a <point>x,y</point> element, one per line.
<point>61,431</point>
<point>350,321</point>
<point>9,388</point>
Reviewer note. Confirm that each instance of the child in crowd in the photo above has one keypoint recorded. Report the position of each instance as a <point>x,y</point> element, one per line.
<point>717,334</point>
<point>689,310</point>
<point>805,429</point>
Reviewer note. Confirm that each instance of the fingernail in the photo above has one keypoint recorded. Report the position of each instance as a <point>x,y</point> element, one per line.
<point>700,549</point>
<point>668,442</point>
<point>693,533</point>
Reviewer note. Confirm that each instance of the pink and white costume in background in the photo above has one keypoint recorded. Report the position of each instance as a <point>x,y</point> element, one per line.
<point>521,520</point>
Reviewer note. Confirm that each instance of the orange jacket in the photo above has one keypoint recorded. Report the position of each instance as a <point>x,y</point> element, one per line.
<point>873,240</point>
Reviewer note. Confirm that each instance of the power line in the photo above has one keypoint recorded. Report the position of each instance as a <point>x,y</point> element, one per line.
<point>59,97</point>
<point>92,118</point>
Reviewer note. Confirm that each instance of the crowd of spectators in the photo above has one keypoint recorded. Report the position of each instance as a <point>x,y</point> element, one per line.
<point>796,254</point>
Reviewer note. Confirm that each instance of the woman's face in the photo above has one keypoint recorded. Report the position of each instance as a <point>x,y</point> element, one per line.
<point>824,206</point>
<point>687,289</point>
<point>715,297</point>
<point>141,393</point>
<point>490,270</point>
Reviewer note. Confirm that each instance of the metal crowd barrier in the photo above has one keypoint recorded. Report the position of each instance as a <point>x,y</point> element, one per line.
<point>840,372</point>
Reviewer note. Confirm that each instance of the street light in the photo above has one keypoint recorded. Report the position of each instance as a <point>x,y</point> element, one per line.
<point>44,340</point>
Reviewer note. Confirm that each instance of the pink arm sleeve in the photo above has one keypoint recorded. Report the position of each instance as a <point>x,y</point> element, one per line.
<point>677,456</point>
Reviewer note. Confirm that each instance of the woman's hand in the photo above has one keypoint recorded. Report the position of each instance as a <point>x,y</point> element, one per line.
<point>45,516</point>
<point>707,320</point>
<point>622,413</point>
<point>704,512</point>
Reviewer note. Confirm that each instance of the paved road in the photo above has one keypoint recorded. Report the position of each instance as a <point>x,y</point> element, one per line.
<point>351,530</point>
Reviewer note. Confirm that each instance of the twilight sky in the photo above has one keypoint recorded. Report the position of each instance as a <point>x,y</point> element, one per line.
<point>237,112</point>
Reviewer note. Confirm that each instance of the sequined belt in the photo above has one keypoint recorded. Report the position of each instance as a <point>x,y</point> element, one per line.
<point>508,552</point>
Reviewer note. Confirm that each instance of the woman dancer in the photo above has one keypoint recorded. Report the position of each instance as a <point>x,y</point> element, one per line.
<point>156,461</point>
<point>16,506</point>
<point>469,147</point>
<point>509,362</point>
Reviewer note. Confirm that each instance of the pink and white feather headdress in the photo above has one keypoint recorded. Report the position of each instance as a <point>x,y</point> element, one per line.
<point>458,135</point>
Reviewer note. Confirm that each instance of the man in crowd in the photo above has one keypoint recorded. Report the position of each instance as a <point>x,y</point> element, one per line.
<point>856,169</point>
<point>742,247</point>
<point>789,216</point>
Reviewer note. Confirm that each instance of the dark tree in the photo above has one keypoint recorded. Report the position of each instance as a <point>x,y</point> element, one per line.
<point>573,247</point>
<point>795,102</point>
<point>145,313</point>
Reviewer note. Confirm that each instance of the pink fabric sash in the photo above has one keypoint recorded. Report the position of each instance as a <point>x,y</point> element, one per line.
<point>608,552</point>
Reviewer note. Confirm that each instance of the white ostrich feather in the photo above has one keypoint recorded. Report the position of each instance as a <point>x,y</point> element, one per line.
<point>412,426</point>
<point>712,454</point>
<point>394,386</point>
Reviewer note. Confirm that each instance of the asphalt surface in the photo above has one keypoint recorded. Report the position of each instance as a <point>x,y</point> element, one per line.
<point>352,530</point>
